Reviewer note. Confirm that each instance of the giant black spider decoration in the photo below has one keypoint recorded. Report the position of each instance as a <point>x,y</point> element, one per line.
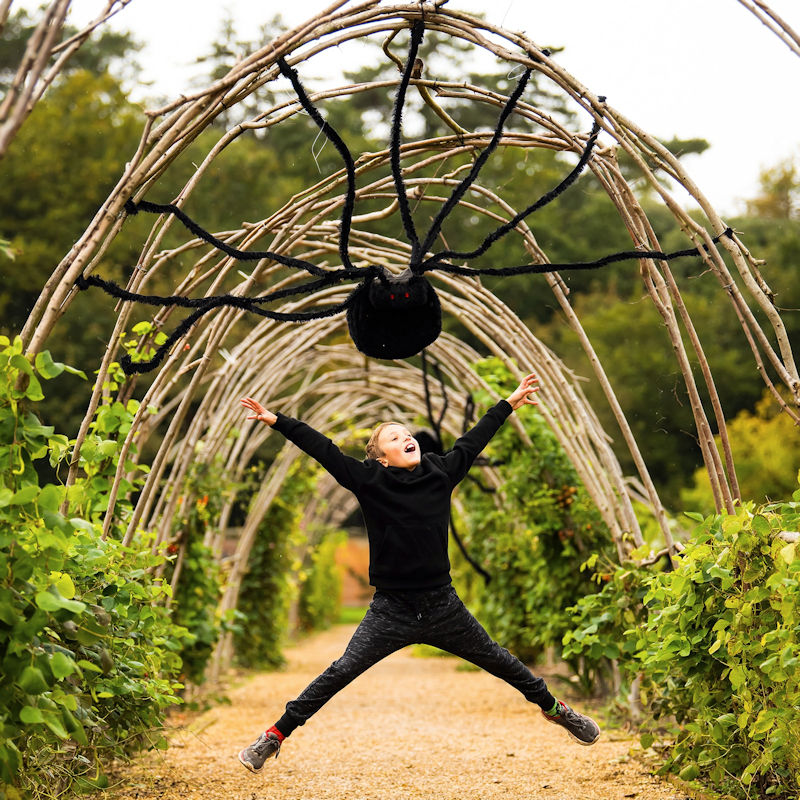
<point>389,316</point>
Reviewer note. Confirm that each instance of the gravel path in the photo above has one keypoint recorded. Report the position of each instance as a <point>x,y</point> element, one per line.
<point>408,728</point>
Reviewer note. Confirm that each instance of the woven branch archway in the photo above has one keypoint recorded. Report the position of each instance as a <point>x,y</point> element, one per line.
<point>196,387</point>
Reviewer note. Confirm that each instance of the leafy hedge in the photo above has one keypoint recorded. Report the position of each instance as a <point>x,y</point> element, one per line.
<point>268,590</point>
<point>321,588</point>
<point>89,654</point>
<point>534,544</point>
<point>282,570</point>
<point>717,644</point>
<point>92,654</point>
<point>201,579</point>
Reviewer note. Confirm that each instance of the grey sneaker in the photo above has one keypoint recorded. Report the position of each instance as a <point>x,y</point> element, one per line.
<point>583,730</point>
<point>254,756</point>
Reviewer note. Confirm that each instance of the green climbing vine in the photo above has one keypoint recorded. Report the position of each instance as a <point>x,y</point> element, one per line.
<point>533,543</point>
<point>89,653</point>
<point>715,643</point>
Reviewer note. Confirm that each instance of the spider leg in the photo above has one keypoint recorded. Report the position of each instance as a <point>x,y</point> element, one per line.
<point>436,424</point>
<point>440,378</point>
<point>115,290</point>
<point>512,223</point>
<point>131,367</point>
<point>462,187</point>
<point>469,413</point>
<point>203,305</point>
<point>394,143</point>
<point>480,484</point>
<point>613,258</point>
<point>428,404</point>
<point>344,152</point>
<point>240,255</point>
<point>471,561</point>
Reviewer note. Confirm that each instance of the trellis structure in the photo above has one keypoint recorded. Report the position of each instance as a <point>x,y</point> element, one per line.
<point>311,369</point>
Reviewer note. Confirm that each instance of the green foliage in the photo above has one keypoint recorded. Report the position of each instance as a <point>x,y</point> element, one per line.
<point>720,650</point>
<point>351,615</point>
<point>197,597</point>
<point>533,543</point>
<point>601,619</point>
<point>766,452</point>
<point>321,588</point>
<point>779,197</point>
<point>67,157</point>
<point>200,584</point>
<point>90,659</point>
<point>54,177</point>
<point>106,49</point>
<point>716,643</point>
<point>267,587</point>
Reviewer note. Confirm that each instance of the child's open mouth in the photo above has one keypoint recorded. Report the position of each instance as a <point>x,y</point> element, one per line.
<point>409,448</point>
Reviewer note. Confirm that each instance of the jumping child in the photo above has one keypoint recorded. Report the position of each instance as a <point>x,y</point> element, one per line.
<point>405,500</point>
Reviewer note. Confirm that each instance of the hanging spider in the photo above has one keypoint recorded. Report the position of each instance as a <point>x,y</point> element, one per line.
<point>389,316</point>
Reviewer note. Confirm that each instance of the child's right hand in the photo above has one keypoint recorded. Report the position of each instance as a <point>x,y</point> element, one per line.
<point>524,394</point>
<point>259,412</point>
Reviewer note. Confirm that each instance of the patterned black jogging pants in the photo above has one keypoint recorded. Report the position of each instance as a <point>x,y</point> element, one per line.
<point>396,619</point>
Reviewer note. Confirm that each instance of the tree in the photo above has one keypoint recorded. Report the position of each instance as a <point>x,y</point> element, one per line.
<point>57,173</point>
<point>766,449</point>
<point>36,55</point>
<point>107,51</point>
<point>780,192</point>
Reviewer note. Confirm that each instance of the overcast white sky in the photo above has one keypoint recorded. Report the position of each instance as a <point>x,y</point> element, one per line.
<point>683,68</point>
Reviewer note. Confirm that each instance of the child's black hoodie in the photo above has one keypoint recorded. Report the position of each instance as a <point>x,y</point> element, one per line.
<point>407,512</point>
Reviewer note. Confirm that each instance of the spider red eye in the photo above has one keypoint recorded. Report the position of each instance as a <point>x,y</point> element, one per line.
<point>391,297</point>
<point>406,294</point>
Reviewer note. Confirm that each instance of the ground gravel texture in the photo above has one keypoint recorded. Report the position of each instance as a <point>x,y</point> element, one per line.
<point>408,728</point>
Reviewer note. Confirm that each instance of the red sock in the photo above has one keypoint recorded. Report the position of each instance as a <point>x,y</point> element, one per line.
<point>274,730</point>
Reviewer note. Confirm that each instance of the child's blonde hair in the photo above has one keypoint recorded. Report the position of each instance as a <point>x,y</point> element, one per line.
<point>373,448</point>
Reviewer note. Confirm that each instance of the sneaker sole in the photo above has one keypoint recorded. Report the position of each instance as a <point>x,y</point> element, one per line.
<point>580,741</point>
<point>248,766</point>
<point>572,735</point>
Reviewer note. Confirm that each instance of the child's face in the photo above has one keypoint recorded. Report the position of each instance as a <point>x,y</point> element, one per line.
<point>399,447</point>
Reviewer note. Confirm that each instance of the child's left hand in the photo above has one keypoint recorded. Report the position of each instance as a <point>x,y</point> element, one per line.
<point>524,395</point>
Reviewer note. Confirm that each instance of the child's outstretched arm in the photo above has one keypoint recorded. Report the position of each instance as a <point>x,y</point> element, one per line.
<point>346,470</point>
<point>467,448</point>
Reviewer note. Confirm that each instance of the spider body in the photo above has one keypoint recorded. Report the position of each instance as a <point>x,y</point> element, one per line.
<point>394,316</point>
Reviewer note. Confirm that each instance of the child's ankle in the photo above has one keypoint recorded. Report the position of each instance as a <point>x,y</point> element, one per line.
<point>555,710</point>
<point>274,730</point>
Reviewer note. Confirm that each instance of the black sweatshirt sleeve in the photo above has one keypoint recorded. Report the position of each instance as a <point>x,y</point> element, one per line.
<point>457,461</point>
<point>346,470</point>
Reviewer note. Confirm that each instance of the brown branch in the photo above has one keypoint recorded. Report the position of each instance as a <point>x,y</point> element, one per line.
<point>778,26</point>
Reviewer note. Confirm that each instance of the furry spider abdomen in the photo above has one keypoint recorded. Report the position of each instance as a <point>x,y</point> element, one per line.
<point>394,316</point>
